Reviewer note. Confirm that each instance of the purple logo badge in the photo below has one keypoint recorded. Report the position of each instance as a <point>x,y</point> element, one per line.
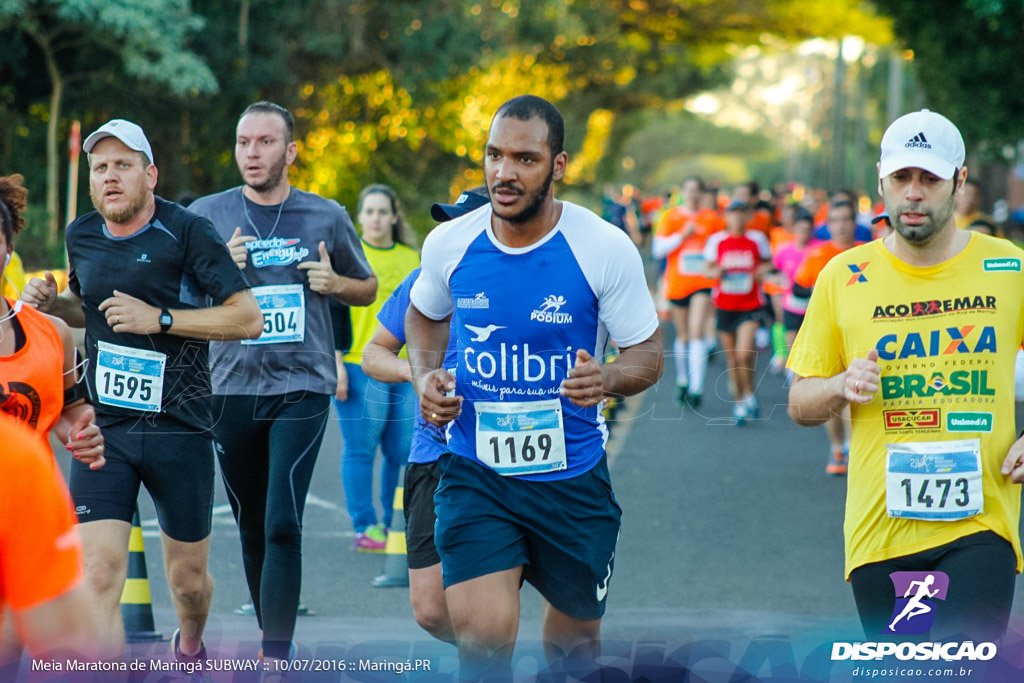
<point>916,593</point>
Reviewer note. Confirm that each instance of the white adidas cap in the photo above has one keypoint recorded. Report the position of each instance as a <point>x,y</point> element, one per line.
<point>127,132</point>
<point>922,139</point>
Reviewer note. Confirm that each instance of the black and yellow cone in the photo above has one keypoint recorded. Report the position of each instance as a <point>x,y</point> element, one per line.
<point>136,604</point>
<point>396,567</point>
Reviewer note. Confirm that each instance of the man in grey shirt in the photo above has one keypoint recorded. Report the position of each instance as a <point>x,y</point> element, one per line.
<point>272,395</point>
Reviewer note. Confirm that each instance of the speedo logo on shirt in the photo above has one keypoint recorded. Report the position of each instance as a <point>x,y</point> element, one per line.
<point>550,311</point>
<point>277,251</point>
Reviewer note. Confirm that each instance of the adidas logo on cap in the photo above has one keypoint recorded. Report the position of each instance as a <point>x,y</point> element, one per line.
<point>904,145</point>
<point>918,140</point>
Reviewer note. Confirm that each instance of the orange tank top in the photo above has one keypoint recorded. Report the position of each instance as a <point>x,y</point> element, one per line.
<point>32,379</point>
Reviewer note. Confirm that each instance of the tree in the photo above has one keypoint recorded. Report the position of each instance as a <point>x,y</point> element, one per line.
<point>146,36</point>
<point>964,54</point>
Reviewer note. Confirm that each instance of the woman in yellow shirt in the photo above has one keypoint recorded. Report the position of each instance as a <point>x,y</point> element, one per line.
<point>376,414</point>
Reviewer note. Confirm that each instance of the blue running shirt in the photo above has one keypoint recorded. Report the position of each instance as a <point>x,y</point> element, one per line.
<point>520,314</point>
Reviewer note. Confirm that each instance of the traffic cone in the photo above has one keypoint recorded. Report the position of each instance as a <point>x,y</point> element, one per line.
<point>396,564</point>
<point>136,604</point>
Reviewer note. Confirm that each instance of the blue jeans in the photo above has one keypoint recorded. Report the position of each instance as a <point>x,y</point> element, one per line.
<point>375,414</point>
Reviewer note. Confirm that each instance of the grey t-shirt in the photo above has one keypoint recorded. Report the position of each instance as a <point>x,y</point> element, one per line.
<point>296,351</point>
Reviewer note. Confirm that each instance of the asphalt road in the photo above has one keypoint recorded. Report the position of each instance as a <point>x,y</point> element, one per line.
<point>731,540</point>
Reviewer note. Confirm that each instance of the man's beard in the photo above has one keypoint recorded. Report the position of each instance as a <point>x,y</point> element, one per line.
<point>136,203</point>
<point>924,233</point>
<point>275,176</point>
<point>531,210</point>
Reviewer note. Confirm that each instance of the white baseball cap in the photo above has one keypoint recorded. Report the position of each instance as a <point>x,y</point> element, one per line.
<point>127,132</point>
<point>922,139</point>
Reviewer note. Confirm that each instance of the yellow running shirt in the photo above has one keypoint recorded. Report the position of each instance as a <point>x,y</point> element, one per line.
<point>390,265</point>
<point>946,336</point>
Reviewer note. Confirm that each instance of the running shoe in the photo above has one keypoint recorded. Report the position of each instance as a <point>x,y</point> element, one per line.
<point>693,400</point>
<point>371,540</point>
<point>681,392</point>
<point>753,409</point>
<point>249,610</point>
<point>838,463</point>
<point>739,413</point>
<point>292,652</point>
<point>180,656</point>
<point>762,338</point>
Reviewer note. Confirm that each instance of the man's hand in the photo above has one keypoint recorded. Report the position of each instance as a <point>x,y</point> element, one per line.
<point>862,379</point>
<point>126,314</point>
<point>40,293</point>
<point>1013,464</point>
<point>585,386</point>
<point>322,278</point>
<point>85,441</point>
<point>436,406</point>
<point>236,245</point>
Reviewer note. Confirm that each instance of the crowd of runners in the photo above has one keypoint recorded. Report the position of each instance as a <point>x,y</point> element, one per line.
<point>221,333</point>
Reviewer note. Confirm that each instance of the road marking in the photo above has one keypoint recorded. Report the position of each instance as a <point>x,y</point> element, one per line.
<point>319,502</point>
<point>225,509</point>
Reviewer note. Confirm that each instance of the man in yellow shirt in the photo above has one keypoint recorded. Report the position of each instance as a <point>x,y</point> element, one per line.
<point>918,333</point>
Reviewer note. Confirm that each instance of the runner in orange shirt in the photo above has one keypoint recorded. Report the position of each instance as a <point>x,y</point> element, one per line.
<point>680,236</point>
<point>40,554</point>
<point>37,356</point>
<point>843,227</point>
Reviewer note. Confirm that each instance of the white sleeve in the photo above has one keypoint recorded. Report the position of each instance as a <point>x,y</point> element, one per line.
<point>711,248</point>
<point>662,246</point>
<point>431,294</point>
<point>614,270</point>
<point>442,251</point>
<point>764,247</point>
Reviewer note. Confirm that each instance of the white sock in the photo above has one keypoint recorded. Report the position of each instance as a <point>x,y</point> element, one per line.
<point>698,362</point>
<point>679,349</point>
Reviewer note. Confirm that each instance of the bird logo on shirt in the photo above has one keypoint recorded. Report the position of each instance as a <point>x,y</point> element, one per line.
<point>483,333</point>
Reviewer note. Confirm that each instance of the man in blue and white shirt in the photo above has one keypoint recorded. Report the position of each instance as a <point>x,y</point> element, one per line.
<point>536,288</point>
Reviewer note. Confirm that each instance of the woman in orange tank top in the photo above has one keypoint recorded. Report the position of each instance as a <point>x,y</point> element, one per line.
<point>37,356</point>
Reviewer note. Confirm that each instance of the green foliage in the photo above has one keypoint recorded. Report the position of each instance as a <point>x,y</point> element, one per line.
<point>626,57</point>
<point>31,242</point>
<point>668,147</point>
<point>966,56</point>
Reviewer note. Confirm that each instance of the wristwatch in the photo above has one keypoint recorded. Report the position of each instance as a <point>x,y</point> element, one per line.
<point>166,320</point>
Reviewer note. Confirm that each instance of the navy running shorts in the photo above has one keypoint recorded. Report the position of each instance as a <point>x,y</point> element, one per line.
<point>792,321</point>
<point>730,321</point>
<point>562,532</point>
<point>175,466</point>
<point>684,302</point>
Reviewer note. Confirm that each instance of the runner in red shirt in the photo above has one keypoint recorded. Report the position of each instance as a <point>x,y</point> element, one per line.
<point>738,258</point>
